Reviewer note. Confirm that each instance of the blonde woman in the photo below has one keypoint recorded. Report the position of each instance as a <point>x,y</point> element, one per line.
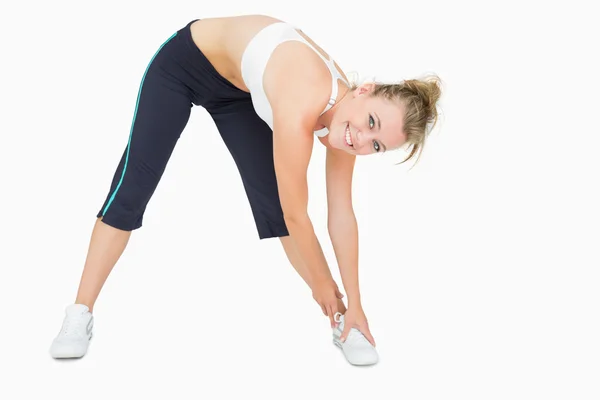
<point>270,91</point>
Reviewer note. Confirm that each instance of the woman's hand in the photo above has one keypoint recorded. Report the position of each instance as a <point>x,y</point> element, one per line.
<point>355,318</point>
<point>326,293</point>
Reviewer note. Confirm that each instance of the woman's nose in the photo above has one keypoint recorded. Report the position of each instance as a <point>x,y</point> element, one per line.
<point>359,139</point>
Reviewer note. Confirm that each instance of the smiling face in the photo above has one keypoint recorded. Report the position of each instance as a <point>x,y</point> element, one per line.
<point>363,124</point>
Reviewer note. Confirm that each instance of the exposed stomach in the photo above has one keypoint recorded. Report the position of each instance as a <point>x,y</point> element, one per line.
<point>223,41</point>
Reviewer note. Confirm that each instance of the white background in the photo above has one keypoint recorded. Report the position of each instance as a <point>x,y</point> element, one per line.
<point>479,266</point>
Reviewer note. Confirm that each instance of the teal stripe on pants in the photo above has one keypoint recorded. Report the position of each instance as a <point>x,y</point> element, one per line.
<point>137,103</point>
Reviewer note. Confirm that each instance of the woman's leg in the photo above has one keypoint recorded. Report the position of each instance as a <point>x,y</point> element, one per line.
<point>106,246</point>
<point>161,113</point>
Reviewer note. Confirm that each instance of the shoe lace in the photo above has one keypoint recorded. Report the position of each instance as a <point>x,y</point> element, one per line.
<point>72,326</point>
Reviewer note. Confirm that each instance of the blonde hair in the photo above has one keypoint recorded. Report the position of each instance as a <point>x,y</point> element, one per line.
<point>419,97</point>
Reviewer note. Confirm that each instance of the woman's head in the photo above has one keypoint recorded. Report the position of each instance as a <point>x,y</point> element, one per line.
<point>378,117</point>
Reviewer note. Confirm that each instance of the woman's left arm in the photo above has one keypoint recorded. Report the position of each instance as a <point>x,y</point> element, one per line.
<point>343,231</point>
<point>341,221</point>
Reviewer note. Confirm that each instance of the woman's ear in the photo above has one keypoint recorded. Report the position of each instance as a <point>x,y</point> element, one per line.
<point>366,87</point>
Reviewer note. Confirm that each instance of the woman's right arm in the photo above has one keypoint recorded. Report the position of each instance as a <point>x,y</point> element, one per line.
<point>292,148</point>
<point>295,112</point>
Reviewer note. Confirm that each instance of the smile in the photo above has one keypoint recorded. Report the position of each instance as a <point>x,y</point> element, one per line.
<point>348,136</point>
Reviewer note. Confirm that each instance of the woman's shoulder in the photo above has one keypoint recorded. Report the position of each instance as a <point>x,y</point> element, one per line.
<point>296,76</point>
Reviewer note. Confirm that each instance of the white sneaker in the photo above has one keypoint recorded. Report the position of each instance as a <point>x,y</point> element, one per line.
<point>356,348</point>
<point>74,337</point>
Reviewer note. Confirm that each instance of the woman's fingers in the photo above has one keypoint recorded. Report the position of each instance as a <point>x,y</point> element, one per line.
<point>332,309</point>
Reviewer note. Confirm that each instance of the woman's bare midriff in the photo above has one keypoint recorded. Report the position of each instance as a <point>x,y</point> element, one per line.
<point>223,41</point>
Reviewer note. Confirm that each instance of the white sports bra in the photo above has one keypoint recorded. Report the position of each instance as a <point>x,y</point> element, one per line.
<point>254,61</point>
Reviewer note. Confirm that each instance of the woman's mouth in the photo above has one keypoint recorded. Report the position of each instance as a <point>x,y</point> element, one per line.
<point>348,136</point>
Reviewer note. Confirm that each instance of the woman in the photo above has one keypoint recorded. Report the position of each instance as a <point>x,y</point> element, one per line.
<point>270,89</point>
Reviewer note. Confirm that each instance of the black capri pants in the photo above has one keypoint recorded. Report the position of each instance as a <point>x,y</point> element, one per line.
<point>178,77</point>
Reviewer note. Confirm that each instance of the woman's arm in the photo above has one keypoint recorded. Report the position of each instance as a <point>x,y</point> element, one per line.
<point>292,148</point>
<point>343,231</point>
<point>298,94</point>
<point>341,221</point>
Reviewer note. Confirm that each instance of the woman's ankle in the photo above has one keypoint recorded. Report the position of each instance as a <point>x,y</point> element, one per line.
<point>88,304</point>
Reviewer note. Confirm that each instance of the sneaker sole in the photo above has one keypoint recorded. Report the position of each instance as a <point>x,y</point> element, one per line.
<point>339,344</point>
<point>66,355</point>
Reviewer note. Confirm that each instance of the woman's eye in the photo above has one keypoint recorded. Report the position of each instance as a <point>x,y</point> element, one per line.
<point>376,146</point>
<point>371,122</point>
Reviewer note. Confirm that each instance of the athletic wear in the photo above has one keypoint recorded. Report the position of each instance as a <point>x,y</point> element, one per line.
<point>255,59</point>
<point>74,337</point>
<point>356,347</point>
<point>179,76</point>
